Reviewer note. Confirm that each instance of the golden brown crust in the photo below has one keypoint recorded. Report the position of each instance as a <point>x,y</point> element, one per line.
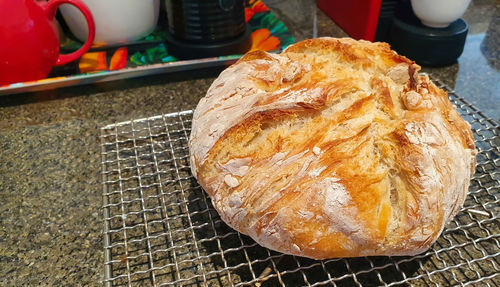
<point>334,148</point>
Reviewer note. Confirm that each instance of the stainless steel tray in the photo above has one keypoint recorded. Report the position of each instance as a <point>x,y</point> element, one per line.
<point>107,76</point>
<point>160,228</point>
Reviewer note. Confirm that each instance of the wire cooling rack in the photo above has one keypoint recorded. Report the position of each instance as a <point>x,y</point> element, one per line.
<point>162,230</point>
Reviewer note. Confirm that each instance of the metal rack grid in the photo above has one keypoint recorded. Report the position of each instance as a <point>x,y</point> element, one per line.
<point>162,230</point>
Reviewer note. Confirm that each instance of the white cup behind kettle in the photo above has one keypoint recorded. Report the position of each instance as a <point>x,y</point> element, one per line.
<point>116,21</point>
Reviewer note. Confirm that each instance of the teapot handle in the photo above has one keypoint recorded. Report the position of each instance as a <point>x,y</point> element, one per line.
<point>51,9</point>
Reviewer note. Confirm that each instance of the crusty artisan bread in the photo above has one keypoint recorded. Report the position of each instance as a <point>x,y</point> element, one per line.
<point>333,148</point>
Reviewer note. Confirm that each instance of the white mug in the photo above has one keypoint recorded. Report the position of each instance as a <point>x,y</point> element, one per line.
<point>116,21</point>
<point>439,13</point>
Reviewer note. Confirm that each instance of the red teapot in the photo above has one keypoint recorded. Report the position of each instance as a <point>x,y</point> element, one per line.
<point>29,40</point>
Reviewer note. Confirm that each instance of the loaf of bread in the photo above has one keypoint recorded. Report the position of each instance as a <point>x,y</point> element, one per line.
<point>333,148</point>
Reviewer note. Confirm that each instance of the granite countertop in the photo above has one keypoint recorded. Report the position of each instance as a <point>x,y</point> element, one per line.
<point>51,218</point>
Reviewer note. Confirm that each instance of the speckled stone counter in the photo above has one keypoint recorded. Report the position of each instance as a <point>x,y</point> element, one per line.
<point>51,219</point>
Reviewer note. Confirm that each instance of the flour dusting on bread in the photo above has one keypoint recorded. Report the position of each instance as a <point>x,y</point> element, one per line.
<point>333,148</point>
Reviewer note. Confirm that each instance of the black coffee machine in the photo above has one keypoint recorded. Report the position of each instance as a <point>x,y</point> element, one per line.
<point>206,28</point>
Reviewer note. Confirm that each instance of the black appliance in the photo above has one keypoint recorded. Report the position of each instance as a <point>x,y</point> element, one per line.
<point>207,28</point>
